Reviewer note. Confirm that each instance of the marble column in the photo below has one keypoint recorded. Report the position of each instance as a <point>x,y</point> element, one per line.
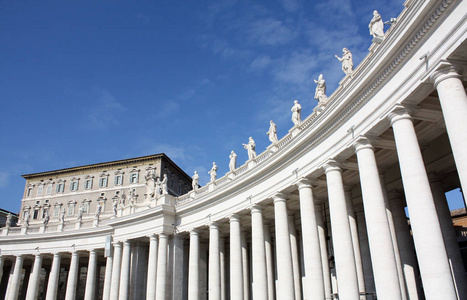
<point>314,281</point>
<point>162,267</point>
<point>323,249</point>
<point>222,255</point>
<point>152,268</point>
<point>125,272</point>
<point>258,253</point>
<point>365,250</point>
<point>117,263</point>
<point>429,244</point>
<point>107,278</point>
<point>405,243</point>
<point>285,288</point>
<point>214,284</point>
<point>72,277</point>
<point>245,267</point>
<point>295,260</point>
<point>450,238</point>
<point>341,235</point>
<point>236,268</point>
<point>379,233</point>
<point>52,286</point>
<point>269,261</point>
<point>33,287</point>
<point>448,82</point>
<point>1,268</point>
<point>15,281</point>
<point>193,267</point>
<point>91,276</point>
<point>355,241</point>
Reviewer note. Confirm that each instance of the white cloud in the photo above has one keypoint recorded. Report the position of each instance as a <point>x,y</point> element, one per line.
<point>295,68</point>
<point>291,5</point>
<point>260,62</point>
<point>271,31</point>
<point>106,109</point>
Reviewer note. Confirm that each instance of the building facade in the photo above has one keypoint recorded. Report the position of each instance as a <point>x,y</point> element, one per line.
<point>319,215</point>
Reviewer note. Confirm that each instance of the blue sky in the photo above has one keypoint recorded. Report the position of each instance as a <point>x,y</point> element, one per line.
<point>84,82</point>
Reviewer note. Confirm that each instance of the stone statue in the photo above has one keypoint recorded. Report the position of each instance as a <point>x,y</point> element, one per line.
<point>150,177</point>
<point>320,92</point>
<point>296,113</point>
<point>114,206</point>
<point>376,26</point>
<point>195,181</point>
<point>213,172</point>
<point>123,199</point>
<point>272,133</point>
<point>347,62</point>
<point>80,213</point>
<point>26,217</point>
<point>98,210</point>
<point>233,161</point>
<point>8,220</point>
<point>250,147</point>
<point>164,189</point>
<point>158,187</point>
<point>133,197</point>
<point>62,216</point>
<point>46,217</point>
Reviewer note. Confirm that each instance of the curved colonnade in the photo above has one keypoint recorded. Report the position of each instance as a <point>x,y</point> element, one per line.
<point>318,215</point>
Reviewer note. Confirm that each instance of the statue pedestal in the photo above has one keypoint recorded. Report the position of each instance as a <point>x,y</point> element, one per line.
<point>167,200</point>
<point>294,131</point>
<point>272,147</point>
<point>60,227</point>
<point>24,230</point>
<point>78,225</point>
<point>5,231</point>
<point>211,186</point>
<point>95,223</point>
<point>231,175</point>
<point>251,163</point>
<point>192,195</point>
<point>377,40</point>
<point>42,229</point>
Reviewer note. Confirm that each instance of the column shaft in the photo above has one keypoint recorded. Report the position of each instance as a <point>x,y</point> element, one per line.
<point>269,262</point>
<point>295,262</point>
<point>193,267</point>
<point>33,287</point>
<point>258,253</point>
<point>15,281</point>
<point>108,278</point>
<point>323,250</point>
<point>125,272</point>
<point>245,267</point>
<point>214,263</point>
<point>236,268</point>
<point>429,243</point>
<point>91,276</point>
<point>52,286</point>
<point>222,268</point>
<point>161,282</point>
<point>72,277</point>
<point>285,289</point>
<point>117,263</point>
<point>152,268</point>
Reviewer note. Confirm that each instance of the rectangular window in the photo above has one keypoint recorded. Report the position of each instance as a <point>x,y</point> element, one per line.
<point>71,209</point>
<point>35,214</point>
<point>103,182</point>
<point>49,189</point>
<point>29,192</point>
<point>39,190</point>
<point>134,178</point>
<point>118,180</point>
<point>60,187</point>
<point>88,184</point>
<point>74,186</point>
<point>86,207</point>
<point>56,210</point>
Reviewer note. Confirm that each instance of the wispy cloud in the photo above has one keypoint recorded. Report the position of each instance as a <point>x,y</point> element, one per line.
<point>270,31</point>
<point>106,109</point>
<point>291,5</point>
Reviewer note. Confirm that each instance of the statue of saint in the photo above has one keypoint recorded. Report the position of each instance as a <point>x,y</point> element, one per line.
<point>213,172</point>
<point>296,113</point>
<point>46,217</point>
<point>164,188</point>
<point>80,212</point>
<point>133,197</point>
<point>149,177</point>
<point>250,147</point>
<point>233,161</point>
<point>62,216</point>
<point>8,220</point>
<point>114,206</point>
<point>26,217</point>
<point>347,62</point>
<point>158,187</point>
<point>272,133</point>
<point>320,92</point>
<point>98,210</point>
<point>195,181</point>
<point>123,199</point>
<point>376,26</point>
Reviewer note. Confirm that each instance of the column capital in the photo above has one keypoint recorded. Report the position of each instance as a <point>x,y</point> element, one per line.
<point>303,183</point>
<point>278,197</point>
<point>332,165</point>
<point>213,225</point>
<point>363,142</point>
<point>194,231</point>
<point>399,112</point>
<point>445,71</point>
<point>153,237</point>
<point>234,218</point>
<point>117,244</point>
<point>256,209</point>
<point>163,236</point>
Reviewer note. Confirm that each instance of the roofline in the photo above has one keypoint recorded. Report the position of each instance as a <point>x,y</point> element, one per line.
<point>105,164</point>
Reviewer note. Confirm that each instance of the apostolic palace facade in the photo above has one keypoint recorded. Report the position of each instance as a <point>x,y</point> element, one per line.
<point>320,214</point>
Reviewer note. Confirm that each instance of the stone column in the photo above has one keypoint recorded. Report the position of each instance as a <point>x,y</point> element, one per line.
<point>193,267</point>
<point>428,238</point>
<point>365,251</point>
<point>341,236</point>
<point>33,287</point>
<point>450,238</point>
<point>269,261</point>
<point>245,267</point>
<point>405,243</point>
<point>379,233</point>
<point>117,263</point>
<point>52,286</point>
<point>72,277</point>
<point>323,250</point>
<point>108,278</point>
<point>161,282</point>
<point>236,268</point>
<point>294,251</point>
<point>125,272</point>
<point>222,268</point>
<point>448,82</point>
<point>15,281</point>
<point>1,266</point>
<point>152,268</point>
<point>91,276</point>
<point>284,267</point>
<point>258,255</point>
<point>214,285</point>
<point>314,281</point>
<point>355,241</point>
